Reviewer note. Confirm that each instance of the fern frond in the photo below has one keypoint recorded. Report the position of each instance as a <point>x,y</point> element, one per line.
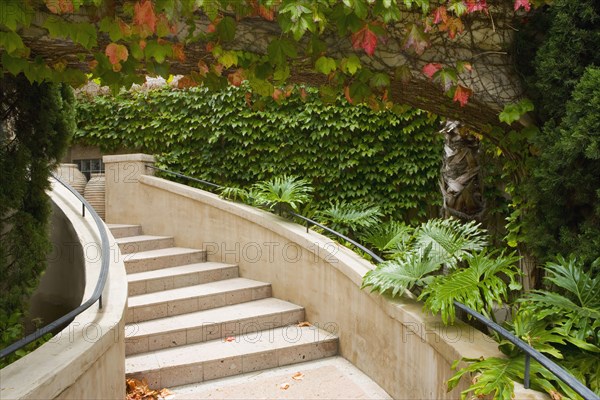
<point>234,194</point>
<point>479,286</point>
<point>401,274</point>
<point>569,274</point>
<point>450,239</point>
<point>539,334</point>
<point>575,309</point>
<point>346,217</point>
<point>282,192</point>
<point>585,367</point>
<point>388,237</point>
<point>496,376</point>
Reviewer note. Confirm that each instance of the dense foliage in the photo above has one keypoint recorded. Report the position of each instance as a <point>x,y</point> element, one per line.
<point>562,320</point>
<point>564,192</point>
<point>118,42</point>
<point>37,121</point>
<point>347,152</point>
<point>556,195</point>
<point>574,25</point>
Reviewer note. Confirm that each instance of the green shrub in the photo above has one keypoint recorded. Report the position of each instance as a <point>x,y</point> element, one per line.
<point>564,192</point>
<point>348,153</point>
<point>570,47</point>
<point>37,122</point>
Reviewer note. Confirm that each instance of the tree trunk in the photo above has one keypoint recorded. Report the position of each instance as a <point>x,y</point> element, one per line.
<point>461,178</point>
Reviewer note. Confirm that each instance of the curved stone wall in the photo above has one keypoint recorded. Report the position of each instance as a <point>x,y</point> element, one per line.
<point>405,351</point>
<point>87,358</point>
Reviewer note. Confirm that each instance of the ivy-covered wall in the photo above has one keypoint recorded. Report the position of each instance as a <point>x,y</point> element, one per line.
<point>388,158</point>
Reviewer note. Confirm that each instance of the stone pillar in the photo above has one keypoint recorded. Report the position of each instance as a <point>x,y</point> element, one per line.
<point>123,192</point>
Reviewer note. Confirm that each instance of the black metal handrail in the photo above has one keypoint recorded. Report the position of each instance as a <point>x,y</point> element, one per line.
<point>96,295</point>
<point>529,351</point>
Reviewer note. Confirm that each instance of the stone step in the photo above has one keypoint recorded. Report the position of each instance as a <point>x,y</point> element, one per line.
<point>124,230</point>
<point>211,324</point>
<point>181,276</point>
<point>135,244</point>
<point>162,258</point>
<point>219,358</point>
<point>189,299</point>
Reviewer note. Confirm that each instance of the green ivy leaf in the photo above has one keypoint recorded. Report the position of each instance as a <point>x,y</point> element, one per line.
<point>226,29</point>
<point>325,65</point>
<point>110,26</point>
<point>380,80</point>
<point>513,112</point>
<point>351,64</point>
<point>228,58</point>
<point>11,42</point>
<point>279,50</point>
<point>159,51</point>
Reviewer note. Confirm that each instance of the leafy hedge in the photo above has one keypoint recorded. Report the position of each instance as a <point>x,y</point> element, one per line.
<point>346,152</point>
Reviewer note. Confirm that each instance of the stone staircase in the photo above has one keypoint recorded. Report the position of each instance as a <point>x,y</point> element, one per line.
<point>189,320</point>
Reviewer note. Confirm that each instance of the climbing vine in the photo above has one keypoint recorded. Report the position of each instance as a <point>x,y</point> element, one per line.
<point>388,157</point>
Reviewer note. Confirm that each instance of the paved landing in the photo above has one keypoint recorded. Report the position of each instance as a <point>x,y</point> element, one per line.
<point>330,378</point>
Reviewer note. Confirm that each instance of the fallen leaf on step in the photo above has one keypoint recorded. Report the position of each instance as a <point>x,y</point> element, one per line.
<point>298,376</point>
<point>229,339</point>
<point>555,395</point>
<point>138,389</point>
<point>284,386</point>
<point>304,324</point>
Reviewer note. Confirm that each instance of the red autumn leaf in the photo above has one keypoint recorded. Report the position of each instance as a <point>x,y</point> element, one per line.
<point>142,44</point>
<point>116,53</point>
<point>144,16</point>
<point>178,51</point>
<point>476,5</point>
<point>210,46</point>
<point>431,69</point>
<point>440,15</point>
<point>522,4</point>
<point>266,13</point>
<point>217,69</point>
<point>288,91</point>
<point>202,67</point>
<point>60,6</point>
<point>417,39</point>
<point>186,82</point>
<point>211,28</point>
<point>462,95</point>
<point>365,39</point>
<point>229,339</point>
<point>453,26</point>
<point>53,6</point>
<point>276,94</point>
<point>303,94</point>
<point>236,78</point>
<point>347,95</point>
<point>124,28</point>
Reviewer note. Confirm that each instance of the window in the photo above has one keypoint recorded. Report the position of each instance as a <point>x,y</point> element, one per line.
<point>87,167</point>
